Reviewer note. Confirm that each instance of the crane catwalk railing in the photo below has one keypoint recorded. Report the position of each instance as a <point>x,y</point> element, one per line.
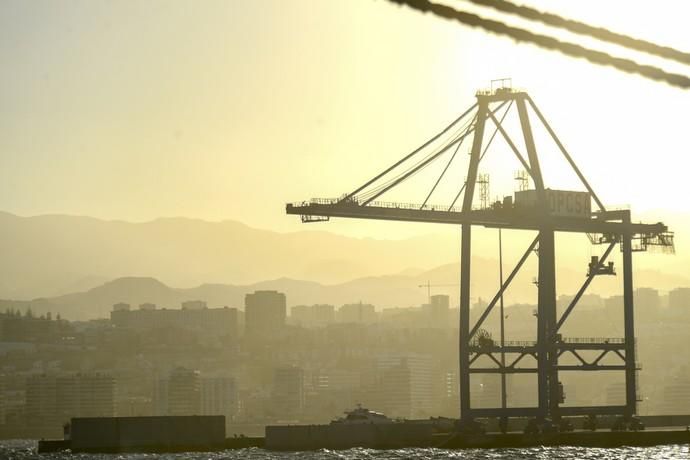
<point>377,204</point>
<point>565,340</point>
<point>505,216</point>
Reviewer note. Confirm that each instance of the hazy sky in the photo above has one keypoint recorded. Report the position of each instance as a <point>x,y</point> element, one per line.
<point>228,109</point>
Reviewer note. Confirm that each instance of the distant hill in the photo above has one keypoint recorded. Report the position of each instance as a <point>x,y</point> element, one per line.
<point>383,291</point>
<point>53,257</point>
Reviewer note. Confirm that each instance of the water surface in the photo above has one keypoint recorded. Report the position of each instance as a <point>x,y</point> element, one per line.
<point>16,450</point>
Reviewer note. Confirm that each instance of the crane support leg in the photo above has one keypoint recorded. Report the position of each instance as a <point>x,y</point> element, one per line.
<point>464,344</point>
<point>629,323</point>
<point>546,320</point>
<point>465,268</point>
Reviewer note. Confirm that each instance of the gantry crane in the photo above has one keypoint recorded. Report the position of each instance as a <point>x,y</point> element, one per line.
<point>543,210</point>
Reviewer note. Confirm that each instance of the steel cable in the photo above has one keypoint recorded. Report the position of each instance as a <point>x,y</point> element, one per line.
<point>544,41</point>
<point>581,28</point>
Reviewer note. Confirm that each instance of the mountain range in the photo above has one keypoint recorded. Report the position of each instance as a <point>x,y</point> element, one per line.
<point>51,255</point>
<point>383,291</point>
<point>80,266</point>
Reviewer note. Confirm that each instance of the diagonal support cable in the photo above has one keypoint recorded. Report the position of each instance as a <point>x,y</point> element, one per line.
<point>417,168</point>
<point>410,155</point>
<point>453,138</point>
<point>503,288</point>
<point>424,163</point>
<point>443,173</point>
<point>585,285</point>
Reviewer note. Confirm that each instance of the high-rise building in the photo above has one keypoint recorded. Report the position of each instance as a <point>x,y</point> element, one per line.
<point>446,402</point>
<point>121,307</point>
<point>3,405</point>
<point>160,396</point>
<point>219,397</point>
<point>184,392</point>
<point>439,311</point>
<point>647,298</point>
<point>357,313</point>
<point>486,391</point>
<point>324,314</point>
<point>405,385</point>
<point>54,399</point>
<point>192,316</point>
<point>301,315</point>
<point>264,313</point>
<point>615,394</point>
<point>312,315</point>
<point>585,302</point>
<point>288,392</point>
<point>41,401</point>
<point>676,397</point>
<point>96,394</point>
<point>647,305</point>
<point>194,305</point>
<point>614,303</point>
<point>30,328</point>
<point>134,406</point>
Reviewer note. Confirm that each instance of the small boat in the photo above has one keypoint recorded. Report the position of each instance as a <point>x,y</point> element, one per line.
<point>362,415</point>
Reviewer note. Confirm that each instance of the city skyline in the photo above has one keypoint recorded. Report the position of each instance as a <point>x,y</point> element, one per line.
<point>505,262</point>
<point>309,366</point>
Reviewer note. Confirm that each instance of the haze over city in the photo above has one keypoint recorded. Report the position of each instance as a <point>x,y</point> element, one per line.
<point>149,150</point>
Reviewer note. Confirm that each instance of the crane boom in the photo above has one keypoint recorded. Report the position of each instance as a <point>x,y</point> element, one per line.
<point>605,222</point>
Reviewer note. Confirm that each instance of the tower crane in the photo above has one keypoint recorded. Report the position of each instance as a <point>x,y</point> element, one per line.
<point>428,287</point>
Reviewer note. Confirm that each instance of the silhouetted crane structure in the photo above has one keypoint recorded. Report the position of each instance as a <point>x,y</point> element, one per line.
<point>543,210</point>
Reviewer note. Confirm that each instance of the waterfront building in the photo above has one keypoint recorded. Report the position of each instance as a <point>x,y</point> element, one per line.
<point>405,385</point>
<point>52,400</point>
<point>219,397</point>
<point>288,392</point>
<point>184,392</point>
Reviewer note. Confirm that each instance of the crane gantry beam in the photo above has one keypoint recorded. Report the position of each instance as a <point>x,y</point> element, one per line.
<point>605,222</point>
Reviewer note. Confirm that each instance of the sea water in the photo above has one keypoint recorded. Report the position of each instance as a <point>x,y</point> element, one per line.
<point>23,449</point>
